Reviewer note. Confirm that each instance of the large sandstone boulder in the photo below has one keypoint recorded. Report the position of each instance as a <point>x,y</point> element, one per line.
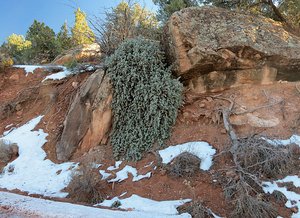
<point>81,53</point>
<point>213,48</point>
<point>89,118</point>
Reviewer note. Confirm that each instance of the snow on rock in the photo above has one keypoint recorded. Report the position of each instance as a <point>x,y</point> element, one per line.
<point>20,205</point>
<point>29,68</point>
<point>293,197</point>
<point>156,208</point>
<point>123,174</point>
<point>31,171</point>
<point>202,150</point>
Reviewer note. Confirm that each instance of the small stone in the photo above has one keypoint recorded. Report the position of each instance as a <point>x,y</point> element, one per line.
<point>202,105</point>
<point>223,131</point>
<point>18,107</point>
<point>75,84</point>
<point>294,209</point>
<point>19,113</point>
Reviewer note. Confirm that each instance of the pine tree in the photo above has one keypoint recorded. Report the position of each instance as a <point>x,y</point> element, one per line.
<point>63,37</point>
<point>81,32</point>
<point>44,44</point>
<point>168,7</point>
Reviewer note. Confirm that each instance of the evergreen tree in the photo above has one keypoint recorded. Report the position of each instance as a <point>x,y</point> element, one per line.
<point>63,38</point>
<point>286,11</point>
<point>44,44</point>
<point>82,33</point>
<point>168,7</point>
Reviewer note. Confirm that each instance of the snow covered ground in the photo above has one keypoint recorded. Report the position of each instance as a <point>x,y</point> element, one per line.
<point>23,205</point>
<point>31,171</point>
<point>270,187</point>
<point>200,149</point>
<point>29,68</point>
<point>138,203</point>
<point>60,75</point>
<point>63,73</point>
<point>293,197</point>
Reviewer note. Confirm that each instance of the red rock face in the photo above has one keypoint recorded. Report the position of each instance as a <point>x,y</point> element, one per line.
<point>89,118</point>
<point>239,48</point>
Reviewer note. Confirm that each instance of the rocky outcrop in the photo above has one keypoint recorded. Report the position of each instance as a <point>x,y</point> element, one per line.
<point>89,118</point>
<point>79,54</point>
<point>213,48</point>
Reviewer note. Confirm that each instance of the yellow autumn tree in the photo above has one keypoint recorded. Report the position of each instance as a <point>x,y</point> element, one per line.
<point>81,32</point>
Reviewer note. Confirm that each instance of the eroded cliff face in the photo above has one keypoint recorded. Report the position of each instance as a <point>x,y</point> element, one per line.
<point>212,48</point>
<point>88,121</point>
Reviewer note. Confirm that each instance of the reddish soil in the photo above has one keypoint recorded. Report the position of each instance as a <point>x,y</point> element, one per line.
<point>198,120</point>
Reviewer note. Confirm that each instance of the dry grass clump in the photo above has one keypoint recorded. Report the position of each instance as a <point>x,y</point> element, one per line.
<point>184,165</point>
<point>85,185</point>
<point>259,157</point>
<point>248,206</point>
<point>197,210</point>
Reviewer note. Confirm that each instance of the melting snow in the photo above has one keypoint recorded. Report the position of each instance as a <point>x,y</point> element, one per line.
<point>202,150</point>
<point>293,197</point>
<point>59,75</point>
<point>293,139</point>
<point>55,76</point>
<point>104,174</point>
<point>155,208</point>
<point>123,174</point>
<point>117,165</point>
<point>29,68</point>
<point>46,208</point>
<point>32,172</point>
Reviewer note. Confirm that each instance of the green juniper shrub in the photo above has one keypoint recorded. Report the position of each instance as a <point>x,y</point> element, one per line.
<point>146,98</point>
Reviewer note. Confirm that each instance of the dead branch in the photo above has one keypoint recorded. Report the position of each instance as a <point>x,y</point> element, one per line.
<point>297,87</point>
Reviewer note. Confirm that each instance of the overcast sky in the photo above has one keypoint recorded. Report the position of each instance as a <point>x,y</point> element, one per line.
<point>17,15</point>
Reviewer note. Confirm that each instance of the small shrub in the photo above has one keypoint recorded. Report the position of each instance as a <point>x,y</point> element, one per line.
<point>146,98</point>
<point>7,151</point>
<point>248,206</point>
<point>85,185</point>
<point>184,165</point>
<point>259,157</point>
<point>197,210</point>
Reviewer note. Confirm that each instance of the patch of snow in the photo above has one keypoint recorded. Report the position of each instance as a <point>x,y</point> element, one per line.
<point>32,172</point>
<point>8,131</point>
<point>58,76</point>
<point>123,174</point>
<point>294,139</point>
<point>104,174</point>
<point>139,177</point>
<point>117,165</point>
<point>293,197</point>
<point>96,166</point>
<point>141,204</point>
<point>29,68</point>
<point>20,205</point>
<point>202,150</point>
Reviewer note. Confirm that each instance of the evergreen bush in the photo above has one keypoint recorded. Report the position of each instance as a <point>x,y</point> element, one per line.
<point>146,98</point>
